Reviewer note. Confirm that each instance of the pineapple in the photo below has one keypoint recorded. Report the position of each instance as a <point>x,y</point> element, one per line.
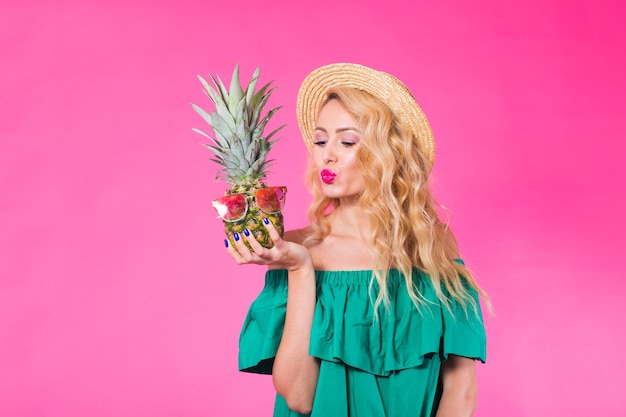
<point>241,149</point>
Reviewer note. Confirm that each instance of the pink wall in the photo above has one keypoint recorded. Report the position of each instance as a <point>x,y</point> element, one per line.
<point>116,295</point>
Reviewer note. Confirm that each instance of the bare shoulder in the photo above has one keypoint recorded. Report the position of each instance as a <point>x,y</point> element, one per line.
<point>452,247</point>
<point>298,235</point>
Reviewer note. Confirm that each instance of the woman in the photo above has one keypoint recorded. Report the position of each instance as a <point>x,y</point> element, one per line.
<point>368,311</point>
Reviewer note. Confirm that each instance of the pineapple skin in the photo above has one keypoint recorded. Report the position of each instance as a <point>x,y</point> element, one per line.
<point>253,220</point>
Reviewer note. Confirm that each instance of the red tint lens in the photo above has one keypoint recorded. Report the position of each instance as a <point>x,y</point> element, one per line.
<point>231,207</point>
<point>271,199</point>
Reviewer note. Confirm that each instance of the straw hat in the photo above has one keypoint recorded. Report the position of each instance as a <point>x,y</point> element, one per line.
<point>381,85</point>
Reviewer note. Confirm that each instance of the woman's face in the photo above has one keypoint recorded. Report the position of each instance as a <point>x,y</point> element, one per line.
<point>337,141</point>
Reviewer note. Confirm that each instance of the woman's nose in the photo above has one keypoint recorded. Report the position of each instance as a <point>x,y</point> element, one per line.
<point>329,154</point>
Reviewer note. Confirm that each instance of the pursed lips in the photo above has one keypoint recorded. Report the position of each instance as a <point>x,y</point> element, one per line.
<point>328,176</point>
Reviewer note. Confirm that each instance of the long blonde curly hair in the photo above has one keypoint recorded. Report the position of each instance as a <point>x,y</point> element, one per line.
<point>407,232</point>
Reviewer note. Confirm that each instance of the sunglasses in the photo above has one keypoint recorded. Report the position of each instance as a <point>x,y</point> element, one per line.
<point>234,207</point>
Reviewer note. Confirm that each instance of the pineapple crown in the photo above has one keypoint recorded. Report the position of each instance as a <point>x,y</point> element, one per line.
<point>238,143</point>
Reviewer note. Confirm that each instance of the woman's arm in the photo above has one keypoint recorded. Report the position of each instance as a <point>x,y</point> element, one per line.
<point>295,372</point>
<point>459,387</point>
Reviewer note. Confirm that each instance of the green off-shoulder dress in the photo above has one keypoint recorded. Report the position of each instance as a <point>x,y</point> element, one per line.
<point>385,367</point>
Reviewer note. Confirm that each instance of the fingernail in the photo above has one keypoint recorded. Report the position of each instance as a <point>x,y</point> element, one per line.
<point>266,220</point>
<point>246,232</point>
<point>226,242</point>
<point>236,236</point>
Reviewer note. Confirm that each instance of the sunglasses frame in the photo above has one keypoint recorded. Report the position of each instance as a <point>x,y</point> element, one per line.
<point>217,202</point>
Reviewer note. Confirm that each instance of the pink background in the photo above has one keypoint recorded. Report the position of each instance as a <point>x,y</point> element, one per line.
<point>116,295</point>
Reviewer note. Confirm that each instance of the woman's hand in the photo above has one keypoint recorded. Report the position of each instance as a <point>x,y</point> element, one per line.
<point>284,254</point>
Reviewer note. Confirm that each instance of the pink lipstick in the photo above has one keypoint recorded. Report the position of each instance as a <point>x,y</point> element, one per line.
<point>328,176</point>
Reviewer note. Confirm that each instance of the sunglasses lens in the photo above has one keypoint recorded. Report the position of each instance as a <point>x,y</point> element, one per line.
<point>231,207</point>
<point>271,199</point>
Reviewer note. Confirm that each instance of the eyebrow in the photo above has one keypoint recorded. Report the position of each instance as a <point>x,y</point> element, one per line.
<point>339,130</point>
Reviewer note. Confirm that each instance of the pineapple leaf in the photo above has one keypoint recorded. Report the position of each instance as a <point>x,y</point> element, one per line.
<point>221,128</point>
<point>259,128</point>
<point>253,151</point>
<point>221,89</point>
<point>238,143</point>
<point>272,133</point>
<point>240,125</point>
<point>237,151</point>
<point>205,135</point>
<point>263,94</point>
<point>257,167</point>
<point>250,89</point>
<point>246,121</point>
<point>268,164</point>
<point>252,86</point>
<point>208,90</point>
<point>236,93</point>
<point>269,142</point>
<point>215,150</point>
<point>205,115</point>
<point>217,100</point>
<point>259,104</point>
<point>220,175</point>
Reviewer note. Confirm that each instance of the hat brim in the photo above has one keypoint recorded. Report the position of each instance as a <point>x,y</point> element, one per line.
<point>387,88</point>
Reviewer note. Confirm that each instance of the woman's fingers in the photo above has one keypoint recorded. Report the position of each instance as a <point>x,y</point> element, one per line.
<point>287,254</point>
<point>274,235</point>
<point>256,247</point>
<point>245,249</point>
<point>254,252</point>
<point>245,255</point>
<point>233,250</point>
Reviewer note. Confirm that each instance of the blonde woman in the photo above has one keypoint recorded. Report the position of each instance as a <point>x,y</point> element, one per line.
<point>369,311</point>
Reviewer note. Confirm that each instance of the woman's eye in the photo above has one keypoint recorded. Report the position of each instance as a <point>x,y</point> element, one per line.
<point>348,140</point>
<point>320,139</point>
